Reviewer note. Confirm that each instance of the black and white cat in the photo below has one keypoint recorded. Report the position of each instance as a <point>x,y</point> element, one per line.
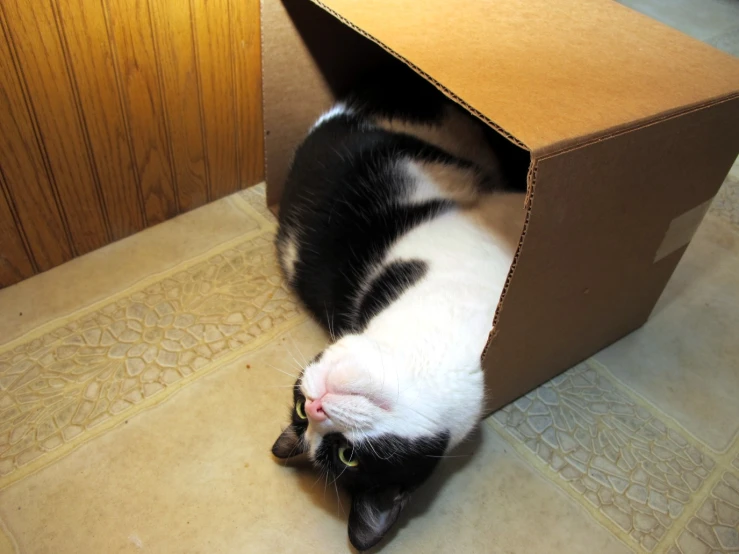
<point>397,228</point>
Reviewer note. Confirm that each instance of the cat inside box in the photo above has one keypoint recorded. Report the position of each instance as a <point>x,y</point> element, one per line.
<point>398,225</point>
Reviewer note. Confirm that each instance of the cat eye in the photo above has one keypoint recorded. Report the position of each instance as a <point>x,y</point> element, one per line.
<point>346,456</point>
<point>300,409</point>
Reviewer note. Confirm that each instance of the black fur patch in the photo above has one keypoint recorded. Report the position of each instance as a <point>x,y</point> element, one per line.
<point>386,473</point>
<point>343,200</point>
<point>387,461</point>
<point>396,92</point>
<point>387,287</point>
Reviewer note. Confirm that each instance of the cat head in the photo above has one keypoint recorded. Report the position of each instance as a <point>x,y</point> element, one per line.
<point>377,427</point>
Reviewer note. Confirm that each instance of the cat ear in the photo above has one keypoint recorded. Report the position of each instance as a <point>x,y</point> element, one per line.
<point>288,444</point>
<point>373,514</point>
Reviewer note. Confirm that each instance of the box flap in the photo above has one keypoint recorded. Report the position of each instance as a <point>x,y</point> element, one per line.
<point>551,74</point>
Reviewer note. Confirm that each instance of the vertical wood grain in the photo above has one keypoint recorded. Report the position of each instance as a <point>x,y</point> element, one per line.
<point>119,114</point>
<point>15,263</point>
<point>248,71</point>
<point>34,32</point>
<point>130,30</point>
<point>82,24</point>
<point>172,22</point>
<point>215,63</point>
<point>24,169</point>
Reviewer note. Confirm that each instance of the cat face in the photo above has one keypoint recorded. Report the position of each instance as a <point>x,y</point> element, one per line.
<point>375,427</point>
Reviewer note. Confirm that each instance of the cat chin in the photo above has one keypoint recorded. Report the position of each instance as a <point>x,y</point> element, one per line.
<point>350,377</point>
<point>361,401</point>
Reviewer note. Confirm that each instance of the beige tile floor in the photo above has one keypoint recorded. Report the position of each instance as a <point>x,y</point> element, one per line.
<point>141,389</point>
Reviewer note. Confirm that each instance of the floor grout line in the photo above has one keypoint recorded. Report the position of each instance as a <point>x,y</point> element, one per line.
<point>734,450</point>
<point>144,282</point>
<point>608,374</point>
<point>556,480</point>
<point>670,537</point>
<point>7,537</point>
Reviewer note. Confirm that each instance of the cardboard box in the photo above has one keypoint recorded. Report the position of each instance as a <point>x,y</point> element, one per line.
<point>632,127</point>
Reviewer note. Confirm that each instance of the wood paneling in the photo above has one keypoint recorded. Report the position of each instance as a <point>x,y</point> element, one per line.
<point>15,264</point>
<point>175,43</point>
<point>118,114</point>
<point>25,170</point>
<point>130,30</point>
<point>248,72</point>
<point>82,23</point>
<point>213,43</point>
<point>34,33</point>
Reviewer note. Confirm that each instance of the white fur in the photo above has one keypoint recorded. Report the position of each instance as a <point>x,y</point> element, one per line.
<point>440,181</point>
<point>457,133</point>
<point>336,110</point>
<point>289,256</point>
<point>416,371</point>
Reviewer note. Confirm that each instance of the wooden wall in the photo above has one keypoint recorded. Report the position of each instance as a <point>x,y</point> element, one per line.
<point>119,114</point>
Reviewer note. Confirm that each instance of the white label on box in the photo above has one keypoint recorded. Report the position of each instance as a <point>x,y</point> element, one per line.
<point>681,230</point>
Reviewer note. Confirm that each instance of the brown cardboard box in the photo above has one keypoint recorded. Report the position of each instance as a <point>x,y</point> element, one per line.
<point>631,127</point>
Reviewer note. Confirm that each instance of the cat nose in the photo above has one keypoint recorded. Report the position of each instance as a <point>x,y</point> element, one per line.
<point>314,410</point>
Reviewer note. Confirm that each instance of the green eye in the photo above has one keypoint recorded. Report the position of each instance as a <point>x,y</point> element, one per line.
<point>346,455</point>
<point>300,409</point>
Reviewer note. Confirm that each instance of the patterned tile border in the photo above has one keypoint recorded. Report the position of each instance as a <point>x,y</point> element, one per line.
<point>715,525</point>
<point>72,379</point>
<point>637,472</point>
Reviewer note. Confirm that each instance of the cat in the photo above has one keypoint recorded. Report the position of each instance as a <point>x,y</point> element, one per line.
<point>398,225</point>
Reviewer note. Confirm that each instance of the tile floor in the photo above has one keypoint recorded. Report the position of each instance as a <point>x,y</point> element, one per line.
<point>141,388</point>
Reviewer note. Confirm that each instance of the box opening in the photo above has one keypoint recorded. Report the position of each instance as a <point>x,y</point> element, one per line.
<point>338,56</point>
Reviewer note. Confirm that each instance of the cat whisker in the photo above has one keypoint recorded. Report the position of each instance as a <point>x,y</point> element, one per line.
<point>384,372</point>
<point>339,475</point>
<point>427,418</point>
<point>366,438</point>
<point>297,363</point>
<point>294,376</point>
<point>330,323</point>
<point>305,361</point>
<point>320,474</point>
<point>338,500</point>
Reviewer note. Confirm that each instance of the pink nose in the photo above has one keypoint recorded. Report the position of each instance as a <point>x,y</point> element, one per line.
<point>314,410</point>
